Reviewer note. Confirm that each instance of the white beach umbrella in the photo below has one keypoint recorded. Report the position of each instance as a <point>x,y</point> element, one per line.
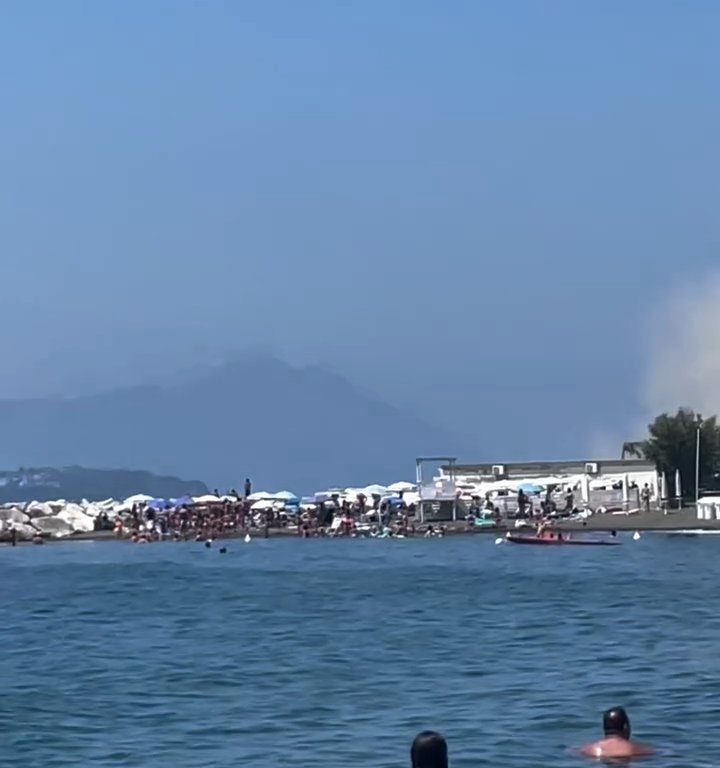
<point>401,487</point>
<point>375,490</point>
<point>208,498</point>
<point>138,498</point>
<point>262,504</point>
<point>285,496</point>
<point>258,495</point>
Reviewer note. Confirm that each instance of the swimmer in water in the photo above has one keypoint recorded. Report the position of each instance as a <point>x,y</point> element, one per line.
<point>617,743</point>
<point>429,750</point>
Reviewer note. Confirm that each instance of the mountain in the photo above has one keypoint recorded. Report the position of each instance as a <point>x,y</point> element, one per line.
<point>303,428</point>
<point>75,483</point>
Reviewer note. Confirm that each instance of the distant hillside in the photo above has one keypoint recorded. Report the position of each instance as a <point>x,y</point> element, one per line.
<point>302,428</point>
<point>75,483</point>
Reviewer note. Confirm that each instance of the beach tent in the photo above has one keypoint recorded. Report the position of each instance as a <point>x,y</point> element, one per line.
<point>182,501</point>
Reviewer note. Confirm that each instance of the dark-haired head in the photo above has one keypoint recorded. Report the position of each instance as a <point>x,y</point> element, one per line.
<point>429,750</point>
<point>616,723</point>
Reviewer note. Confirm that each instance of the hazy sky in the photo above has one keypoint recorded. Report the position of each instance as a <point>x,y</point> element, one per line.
<point>470,207</point>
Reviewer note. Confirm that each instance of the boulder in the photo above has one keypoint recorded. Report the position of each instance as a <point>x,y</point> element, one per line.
<point>77,519</point>
<point>94,510</point>
<point>25,532</point>
<point>38,509</point>
<point>54,526</point>
<point>14,515</point>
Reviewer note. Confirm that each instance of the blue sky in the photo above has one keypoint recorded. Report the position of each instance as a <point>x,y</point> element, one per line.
<point>475,209</point>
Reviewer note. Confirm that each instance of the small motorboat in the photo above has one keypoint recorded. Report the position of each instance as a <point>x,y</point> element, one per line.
<point>560,541</point>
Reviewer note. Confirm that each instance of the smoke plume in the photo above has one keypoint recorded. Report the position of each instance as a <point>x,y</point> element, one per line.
<point>684,365</point>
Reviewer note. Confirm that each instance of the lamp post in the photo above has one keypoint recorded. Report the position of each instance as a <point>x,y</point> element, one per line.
<point>697,467</point>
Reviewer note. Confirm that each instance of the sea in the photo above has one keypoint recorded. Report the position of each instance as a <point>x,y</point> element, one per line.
<point>335,653</point>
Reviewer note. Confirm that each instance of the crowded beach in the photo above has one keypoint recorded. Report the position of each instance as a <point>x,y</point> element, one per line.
<point>455,500</point>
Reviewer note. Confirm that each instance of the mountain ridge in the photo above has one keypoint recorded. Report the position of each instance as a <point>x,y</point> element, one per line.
<point>302,427</point>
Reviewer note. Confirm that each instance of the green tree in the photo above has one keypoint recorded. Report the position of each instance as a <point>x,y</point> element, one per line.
<point>672,445</point>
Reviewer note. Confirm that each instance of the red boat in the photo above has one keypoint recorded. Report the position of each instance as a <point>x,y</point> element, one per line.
<point>555,541</point>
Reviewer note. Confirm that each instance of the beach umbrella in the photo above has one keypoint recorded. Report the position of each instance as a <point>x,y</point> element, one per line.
<point>286,496</point>
<point>208,498</point>
<point>262,504</point>
<point>530,488</point>
<point>401,487</point>
<point>585,488</point>
<point>663,487</point>
<point>678,485</point>
<point>374,490</point>
<point>138,498</point>
<point>258,495</point>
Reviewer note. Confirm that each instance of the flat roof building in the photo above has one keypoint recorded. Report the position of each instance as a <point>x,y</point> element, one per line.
<point>595,483</point>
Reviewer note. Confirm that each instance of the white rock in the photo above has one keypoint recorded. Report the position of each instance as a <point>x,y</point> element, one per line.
<point>38,509</point>
<point>25,532</point>
<point>14,515</point>
<point>95,510</point>
<point>77,519</point>
<point>53,525</point>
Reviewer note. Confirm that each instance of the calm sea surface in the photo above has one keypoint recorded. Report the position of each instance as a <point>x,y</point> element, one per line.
<point>335,653</point>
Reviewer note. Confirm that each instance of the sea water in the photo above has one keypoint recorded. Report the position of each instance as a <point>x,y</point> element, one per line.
<point>337,652</point>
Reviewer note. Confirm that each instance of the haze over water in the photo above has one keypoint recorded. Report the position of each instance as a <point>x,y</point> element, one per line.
<point>335,653</point>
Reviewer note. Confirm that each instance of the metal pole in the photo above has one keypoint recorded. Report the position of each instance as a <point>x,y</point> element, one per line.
<point>697,467</point>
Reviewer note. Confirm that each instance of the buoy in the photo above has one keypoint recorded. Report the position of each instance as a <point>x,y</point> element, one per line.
<point>247,538</point>
<point>499,540</point>
<point>636,536</point>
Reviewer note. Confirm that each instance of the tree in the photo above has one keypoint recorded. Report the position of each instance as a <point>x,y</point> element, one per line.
<point>672,445</point>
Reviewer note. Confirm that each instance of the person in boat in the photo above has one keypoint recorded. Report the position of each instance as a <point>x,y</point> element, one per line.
<point>429,750</point>
<point>617,742</point>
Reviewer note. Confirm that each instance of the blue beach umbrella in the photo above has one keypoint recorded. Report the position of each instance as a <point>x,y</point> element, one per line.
<point>530,488</point>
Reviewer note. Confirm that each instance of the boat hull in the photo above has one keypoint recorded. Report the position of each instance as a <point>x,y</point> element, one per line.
<point>535,541</point>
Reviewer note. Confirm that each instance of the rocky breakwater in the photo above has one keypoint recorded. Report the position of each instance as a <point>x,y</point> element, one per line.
<point>55,519</point>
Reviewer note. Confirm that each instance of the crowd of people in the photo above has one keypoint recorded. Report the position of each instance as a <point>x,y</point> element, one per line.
<point>235,514</point>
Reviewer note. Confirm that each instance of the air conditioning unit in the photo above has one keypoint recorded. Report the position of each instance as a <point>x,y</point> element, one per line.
<point>591,468</point>
<point>498,470</point>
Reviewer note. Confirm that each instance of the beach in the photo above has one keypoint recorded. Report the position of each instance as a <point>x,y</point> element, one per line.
<point>643,522</point>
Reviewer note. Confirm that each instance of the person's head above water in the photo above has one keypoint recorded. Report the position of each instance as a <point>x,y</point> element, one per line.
<point>429,750</point>
<point>616,723</point>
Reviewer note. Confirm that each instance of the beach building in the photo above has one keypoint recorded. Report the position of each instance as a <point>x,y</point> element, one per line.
<point>594,484</point>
